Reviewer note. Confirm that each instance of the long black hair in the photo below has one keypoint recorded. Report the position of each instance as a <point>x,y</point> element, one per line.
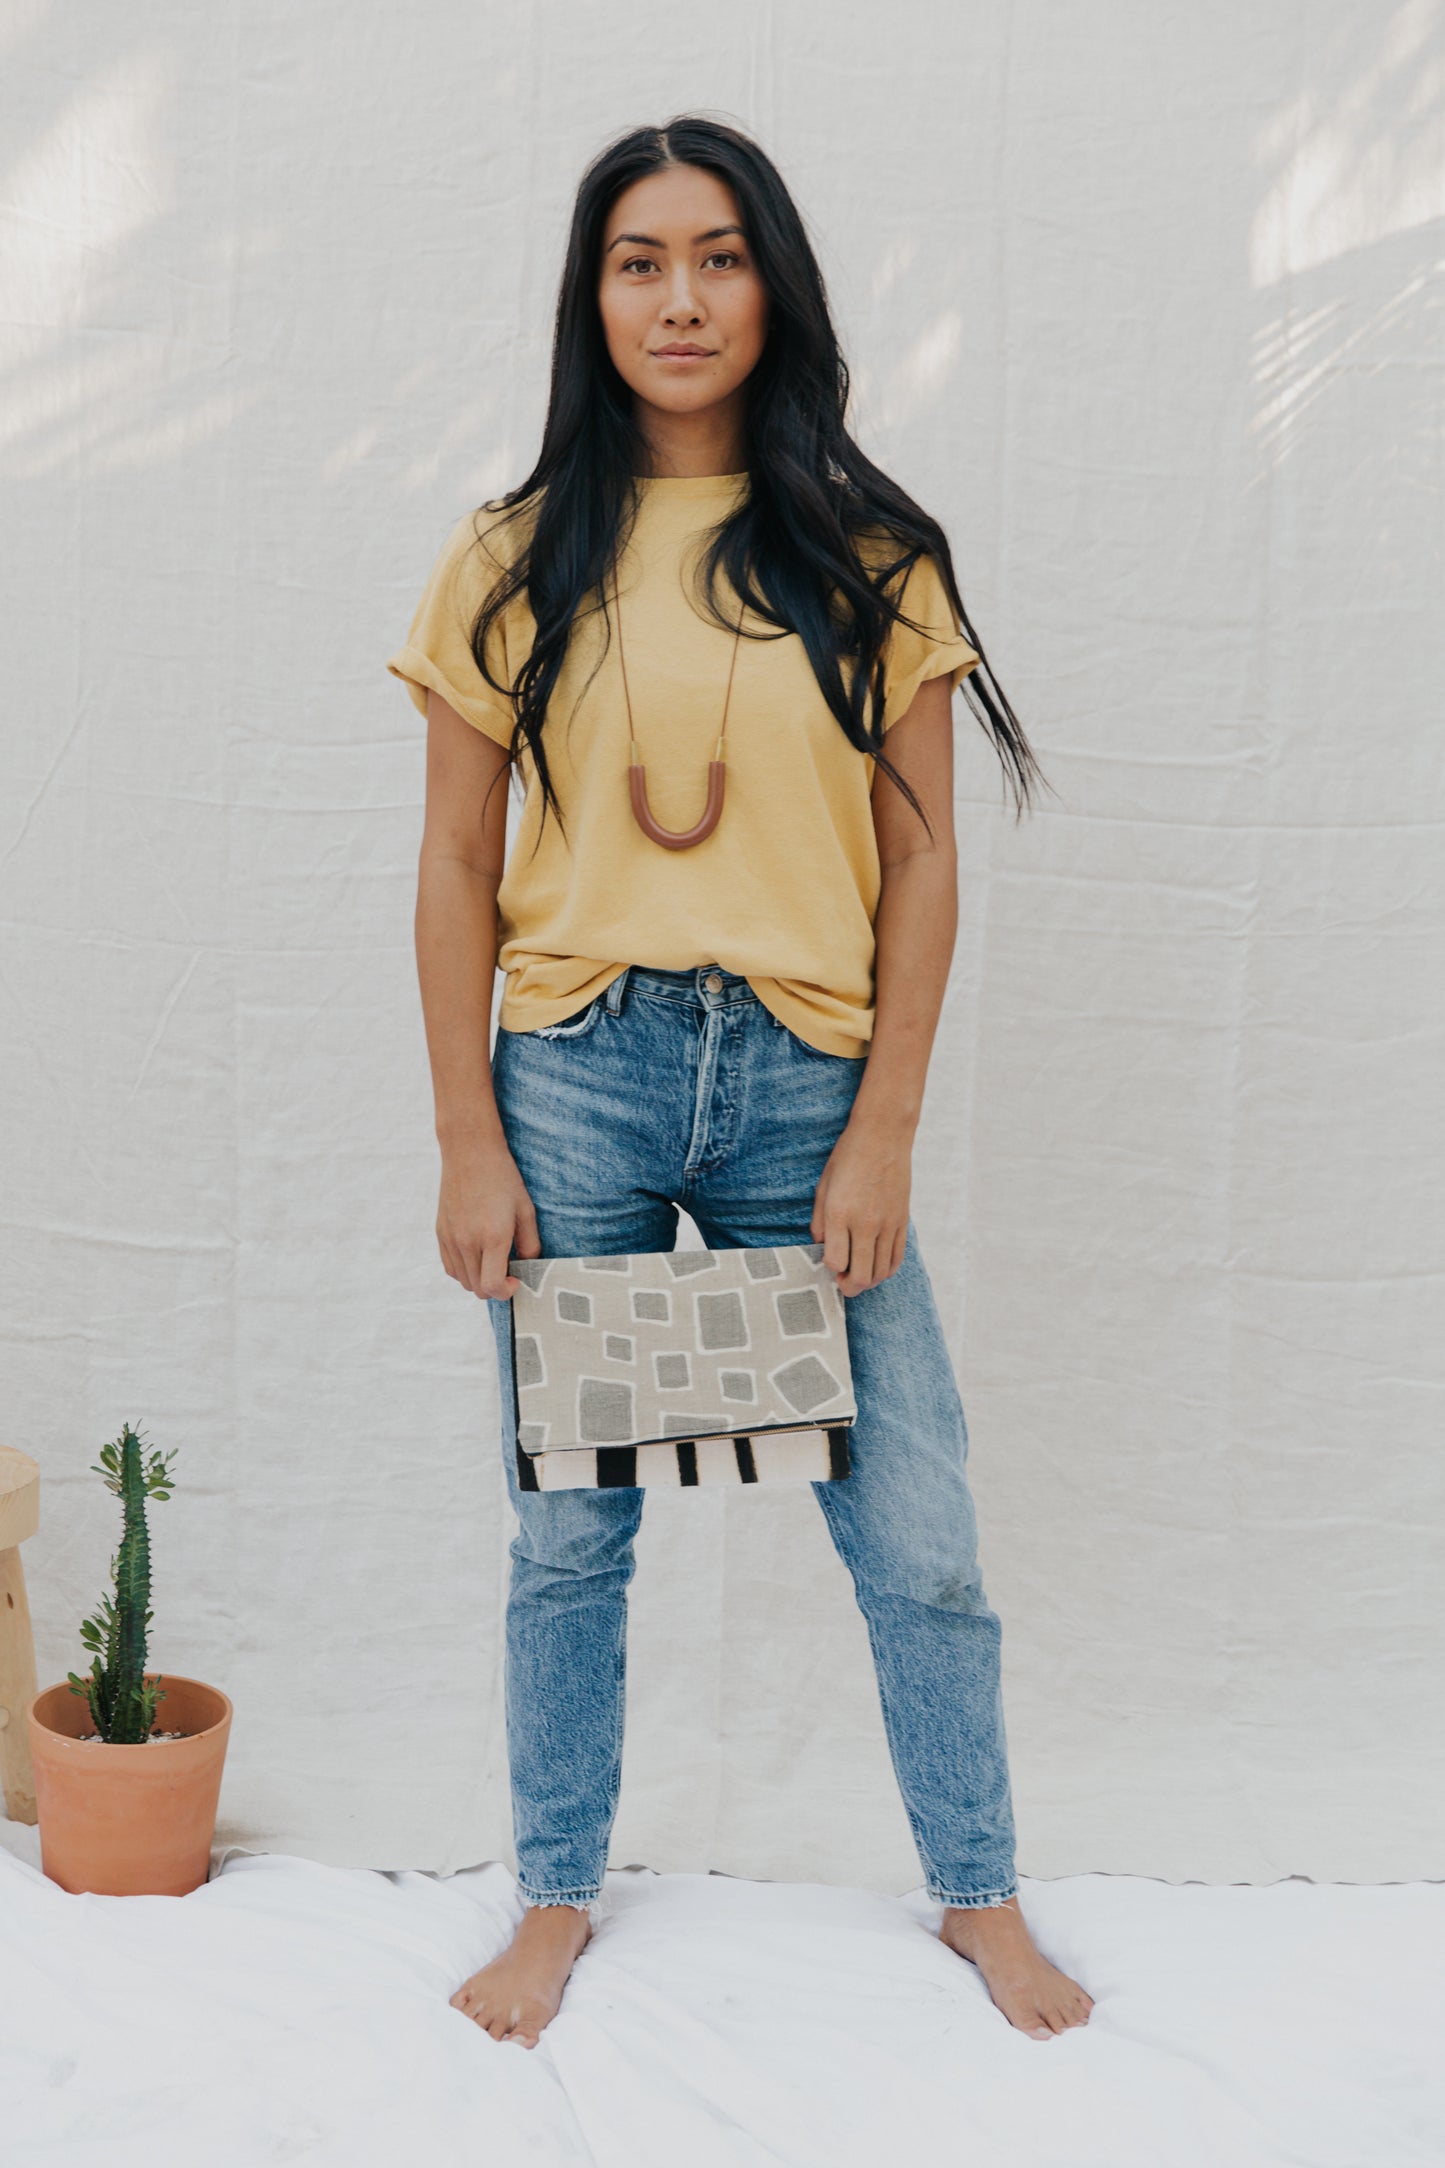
<point>791,548</point>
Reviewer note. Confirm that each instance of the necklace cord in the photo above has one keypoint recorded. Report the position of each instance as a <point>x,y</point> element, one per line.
<point>626,692</point>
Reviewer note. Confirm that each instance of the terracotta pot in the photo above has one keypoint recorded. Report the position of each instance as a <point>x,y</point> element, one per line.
<point>129,1821</point>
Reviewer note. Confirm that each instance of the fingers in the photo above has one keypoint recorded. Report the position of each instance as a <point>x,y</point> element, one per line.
<point>834,1239</point>
<point>493,1278</point>
<point>527,1243</point>
<point>522,1240</point>
<point>861,1255</point>
<point>485,1217</point>
<point>480,1265</point>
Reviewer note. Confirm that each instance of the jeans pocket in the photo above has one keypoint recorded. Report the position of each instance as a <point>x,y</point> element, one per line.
<point>818,1053</point>
<point>571,1027</point>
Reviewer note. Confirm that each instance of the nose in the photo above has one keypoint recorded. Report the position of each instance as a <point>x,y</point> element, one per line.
<point>682,302</point>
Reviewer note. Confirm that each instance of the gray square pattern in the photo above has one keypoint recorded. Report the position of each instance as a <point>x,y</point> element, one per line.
<point>759,1334</point>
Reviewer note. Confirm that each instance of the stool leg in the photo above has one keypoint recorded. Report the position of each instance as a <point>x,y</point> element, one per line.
<point>17,1689</point>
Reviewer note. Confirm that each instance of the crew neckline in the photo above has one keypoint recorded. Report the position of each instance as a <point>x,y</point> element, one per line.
<point>691,485</point>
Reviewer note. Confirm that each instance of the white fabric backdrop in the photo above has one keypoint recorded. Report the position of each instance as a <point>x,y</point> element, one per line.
<point>1144,303</point>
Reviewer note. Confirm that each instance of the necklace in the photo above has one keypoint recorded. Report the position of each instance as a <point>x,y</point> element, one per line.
<point>674,839</point>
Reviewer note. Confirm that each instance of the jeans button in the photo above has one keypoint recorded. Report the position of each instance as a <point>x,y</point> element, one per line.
<point>713,983</point>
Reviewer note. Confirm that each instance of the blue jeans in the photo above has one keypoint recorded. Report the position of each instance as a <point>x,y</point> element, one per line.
<point>681,1088</point>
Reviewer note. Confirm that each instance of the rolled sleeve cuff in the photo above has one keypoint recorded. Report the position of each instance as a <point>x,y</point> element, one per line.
<point>419,673</point>
<point>951,658</point>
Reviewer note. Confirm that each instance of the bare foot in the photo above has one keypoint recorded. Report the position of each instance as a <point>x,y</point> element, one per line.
<point>519,1992</point>
<point>1032,1994</point>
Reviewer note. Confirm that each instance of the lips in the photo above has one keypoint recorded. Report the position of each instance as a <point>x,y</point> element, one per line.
<point>681,351</point>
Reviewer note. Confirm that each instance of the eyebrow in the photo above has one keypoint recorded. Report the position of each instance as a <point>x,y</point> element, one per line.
<point>650,240</point>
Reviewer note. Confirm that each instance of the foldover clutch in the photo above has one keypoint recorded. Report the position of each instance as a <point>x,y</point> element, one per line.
<point>683,1367</point>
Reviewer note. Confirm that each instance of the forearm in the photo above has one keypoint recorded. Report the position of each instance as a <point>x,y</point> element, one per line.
<point>914,931</point>
<point>456,952</point>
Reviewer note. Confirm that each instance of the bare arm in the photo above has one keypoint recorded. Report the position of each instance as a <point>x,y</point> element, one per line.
<point>860,1212</point>
<point>484,1213</point>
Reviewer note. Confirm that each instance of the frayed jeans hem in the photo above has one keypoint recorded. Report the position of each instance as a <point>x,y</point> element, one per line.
<point>593,1902</point>
<point>971,1900</point>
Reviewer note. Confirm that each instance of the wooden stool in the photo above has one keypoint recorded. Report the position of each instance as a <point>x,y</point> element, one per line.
<point>19,1518</point>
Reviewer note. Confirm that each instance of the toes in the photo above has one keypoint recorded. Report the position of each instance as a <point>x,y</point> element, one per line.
<point>491,2021</point>
<point>1045,2024</point>
<point>499,2023</point>
<point>1063,2015</point>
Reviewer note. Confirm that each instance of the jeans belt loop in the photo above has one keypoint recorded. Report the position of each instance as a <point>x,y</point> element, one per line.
<point>615,990</point>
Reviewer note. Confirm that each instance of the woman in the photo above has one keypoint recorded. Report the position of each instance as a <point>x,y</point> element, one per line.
<point>731,1011</point>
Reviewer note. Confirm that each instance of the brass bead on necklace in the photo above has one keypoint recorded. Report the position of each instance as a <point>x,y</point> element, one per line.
<point>674,839</point>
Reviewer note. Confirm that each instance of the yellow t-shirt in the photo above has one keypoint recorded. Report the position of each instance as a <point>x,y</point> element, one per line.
<point>785,889</point>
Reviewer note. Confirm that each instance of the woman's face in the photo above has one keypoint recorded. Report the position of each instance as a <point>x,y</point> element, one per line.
<point>677,271</point>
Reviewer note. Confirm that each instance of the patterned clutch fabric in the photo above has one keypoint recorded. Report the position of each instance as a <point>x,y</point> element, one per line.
<point>681,1367</point>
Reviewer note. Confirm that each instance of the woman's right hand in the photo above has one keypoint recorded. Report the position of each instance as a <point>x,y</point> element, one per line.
<point>485,1215</point>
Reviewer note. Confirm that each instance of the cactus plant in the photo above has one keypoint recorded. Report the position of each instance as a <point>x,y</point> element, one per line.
<point>122,1702</point>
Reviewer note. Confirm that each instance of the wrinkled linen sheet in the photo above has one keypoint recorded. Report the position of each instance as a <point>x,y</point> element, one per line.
<point>292,2011</point>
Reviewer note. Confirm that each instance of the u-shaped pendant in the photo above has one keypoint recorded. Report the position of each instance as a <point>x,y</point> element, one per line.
<point>677,839</point>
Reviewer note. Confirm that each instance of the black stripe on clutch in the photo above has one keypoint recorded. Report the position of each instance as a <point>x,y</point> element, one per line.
<point>686,1461</point>
<point>747,1466</point>
<point>839,1463</point>
<point>616,1467</point>
<point>526,1473</point>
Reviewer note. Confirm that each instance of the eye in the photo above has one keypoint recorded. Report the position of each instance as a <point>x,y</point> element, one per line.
<point>645,263</point>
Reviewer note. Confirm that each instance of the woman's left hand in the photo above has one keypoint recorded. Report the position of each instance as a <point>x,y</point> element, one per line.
<point>860,1208</point>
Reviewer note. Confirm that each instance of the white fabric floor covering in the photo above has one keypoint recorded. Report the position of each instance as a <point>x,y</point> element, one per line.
<point>292,2011</point>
